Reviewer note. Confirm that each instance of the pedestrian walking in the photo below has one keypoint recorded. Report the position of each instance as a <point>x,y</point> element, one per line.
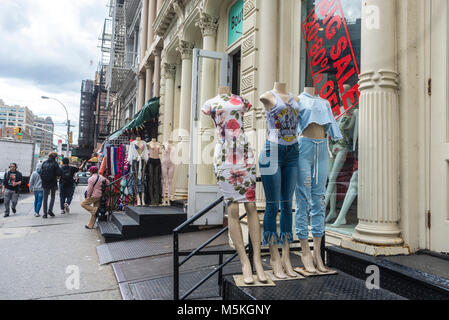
<point>11,188</point>
<point>36,188</point>
<point>50,172</point>
<point>67,184</point>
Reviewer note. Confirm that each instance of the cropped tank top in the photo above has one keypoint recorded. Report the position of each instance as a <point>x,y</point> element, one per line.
<point>282,121</point>
<point>317,110</point>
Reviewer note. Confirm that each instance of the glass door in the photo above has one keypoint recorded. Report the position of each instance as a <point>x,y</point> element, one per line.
<point>203,189</point>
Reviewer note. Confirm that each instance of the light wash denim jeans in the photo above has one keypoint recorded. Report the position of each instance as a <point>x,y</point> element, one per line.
<point>38,196</point>
<point>279,169</point>
<point>311,186</point>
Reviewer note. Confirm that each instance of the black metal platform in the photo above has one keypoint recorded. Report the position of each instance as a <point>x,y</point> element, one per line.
<point>137,222</point>
<point>414,277</point>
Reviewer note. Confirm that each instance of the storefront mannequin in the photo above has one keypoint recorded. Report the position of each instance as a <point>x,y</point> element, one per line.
<point>168,170</point>
<point>138,157</point>
<point>154,181</point>
<point>351,194</point>
<point>278,165</point>
<point>339,151</point>
<point>235,169</point>
<point>315,121</point>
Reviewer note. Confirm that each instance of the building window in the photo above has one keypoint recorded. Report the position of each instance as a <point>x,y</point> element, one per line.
<point>330,62</point>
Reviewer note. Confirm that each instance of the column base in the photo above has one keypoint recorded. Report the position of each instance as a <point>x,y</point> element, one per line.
<point>383,234</point>
<point>374,250</point>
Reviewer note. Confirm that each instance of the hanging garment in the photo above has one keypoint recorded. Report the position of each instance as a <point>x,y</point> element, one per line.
<point>234,162</point>
<point>154,181</point>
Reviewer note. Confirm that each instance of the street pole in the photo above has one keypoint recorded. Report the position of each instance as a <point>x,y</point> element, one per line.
<point>68,122</point>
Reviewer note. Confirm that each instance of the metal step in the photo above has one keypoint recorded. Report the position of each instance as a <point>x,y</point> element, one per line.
<point>124,223</point>
<point>109,231</point>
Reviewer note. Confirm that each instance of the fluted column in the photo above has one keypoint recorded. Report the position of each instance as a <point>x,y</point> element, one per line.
<point>378,199</point>
<point>159,4</point>
<point>144,24</point>
<point>148,81</point>
<point>141,93</point>
<point>186,50</point>
<point>169,74</point>
<point>151,18</point>
<point>208,25</point>
<point>157,73</point>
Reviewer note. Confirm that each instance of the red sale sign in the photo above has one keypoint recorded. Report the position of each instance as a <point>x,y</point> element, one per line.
<point>331,56</point>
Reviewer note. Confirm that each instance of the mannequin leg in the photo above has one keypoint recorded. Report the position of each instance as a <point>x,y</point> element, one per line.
<point>171,174</point>
<point>235,232</point>
<point>164,183</point>
<point>254,232</point>
<point>306,256</point>
<point>317,259</point>
<point>331,192</point>
<point>349,199</point>
<point>144,164</point>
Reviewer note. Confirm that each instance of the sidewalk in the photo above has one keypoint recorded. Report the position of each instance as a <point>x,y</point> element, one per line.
<point>35,254</point>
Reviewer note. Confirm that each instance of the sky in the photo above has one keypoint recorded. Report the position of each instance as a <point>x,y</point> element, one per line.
<point>47,48</point>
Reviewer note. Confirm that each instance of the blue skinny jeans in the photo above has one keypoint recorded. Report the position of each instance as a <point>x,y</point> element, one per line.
<point>279,169</point>
<point>310,190</point>
<point>38,196</point>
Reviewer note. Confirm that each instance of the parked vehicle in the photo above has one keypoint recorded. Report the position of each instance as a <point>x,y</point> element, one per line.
<point>82,177</point>
<point>22,153</point>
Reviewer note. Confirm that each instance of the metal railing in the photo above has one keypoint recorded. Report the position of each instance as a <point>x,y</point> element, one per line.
<point>221,264</point>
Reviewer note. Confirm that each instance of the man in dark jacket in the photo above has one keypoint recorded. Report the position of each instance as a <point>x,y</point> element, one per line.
<point>50,171</point>
<point>67,184</point>
<point>11,187</point>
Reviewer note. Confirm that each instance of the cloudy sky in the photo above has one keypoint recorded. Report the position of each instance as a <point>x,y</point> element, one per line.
<point>47,48</point>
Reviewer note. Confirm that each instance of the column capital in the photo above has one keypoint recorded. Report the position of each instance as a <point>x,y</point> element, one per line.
<point>381,79</point>
<point>169,70</point>
<point>141,76</point>
<point>156,52</point>
<point>149,65</point>
<point>208,24</point>
<point>186,49</point>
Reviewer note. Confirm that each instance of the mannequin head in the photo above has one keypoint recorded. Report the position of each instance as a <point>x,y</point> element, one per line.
<point>153,140</point>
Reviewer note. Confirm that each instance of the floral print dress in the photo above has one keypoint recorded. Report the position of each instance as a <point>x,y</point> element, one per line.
<point>234,161</point>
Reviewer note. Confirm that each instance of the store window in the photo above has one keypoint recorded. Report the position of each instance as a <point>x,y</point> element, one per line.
<point>330,62</point>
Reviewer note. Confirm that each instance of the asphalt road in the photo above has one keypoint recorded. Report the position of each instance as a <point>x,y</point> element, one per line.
<point>52,258</point>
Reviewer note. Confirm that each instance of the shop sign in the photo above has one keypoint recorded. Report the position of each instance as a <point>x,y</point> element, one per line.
<point>235,29</point>
<point>330,53</point>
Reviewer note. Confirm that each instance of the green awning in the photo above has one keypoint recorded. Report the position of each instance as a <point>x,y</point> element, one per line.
<point>149,111</point>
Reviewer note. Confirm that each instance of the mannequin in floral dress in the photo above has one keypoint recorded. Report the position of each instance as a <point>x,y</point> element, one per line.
<point>235,169</point>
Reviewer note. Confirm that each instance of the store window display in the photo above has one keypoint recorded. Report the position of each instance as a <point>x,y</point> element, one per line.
<point>331,31</point>
<point>235,169</point>
<point>278,165</point>
<point>154,173</point>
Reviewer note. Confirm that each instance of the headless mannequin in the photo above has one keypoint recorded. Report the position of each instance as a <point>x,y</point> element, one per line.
<point>346,123</point>
<point>141,149</point>
<point>281,266</point>
<point>351,194</point>
<point>312,261</point>
<point>235,231</point>
<point>168,170</point>
<point>155,177</point>
<point>154,147</point>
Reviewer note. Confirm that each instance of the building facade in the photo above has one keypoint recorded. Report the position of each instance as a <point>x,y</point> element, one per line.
<point>16,116</point>
<point>43,134</point>
<point>381,64</point>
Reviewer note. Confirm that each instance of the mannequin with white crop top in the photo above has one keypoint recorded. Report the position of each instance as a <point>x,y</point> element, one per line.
<point>137,158</point>
<point>278,166</point>
<point>316,119</point>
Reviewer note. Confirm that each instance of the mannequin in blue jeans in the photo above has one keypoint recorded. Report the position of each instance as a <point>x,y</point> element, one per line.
<point>316,119</point>
<point>278,167</point>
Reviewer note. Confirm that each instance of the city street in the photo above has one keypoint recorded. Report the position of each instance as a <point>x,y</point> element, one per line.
<point>36,254</point>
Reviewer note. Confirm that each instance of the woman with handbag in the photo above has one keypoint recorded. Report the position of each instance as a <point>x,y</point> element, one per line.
<point>93,195</point>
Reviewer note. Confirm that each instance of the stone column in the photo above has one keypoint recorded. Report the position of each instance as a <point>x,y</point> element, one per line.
<point>141,93</point>
<point>151,18</point>
<point>157,73</point>
<point>378,192</point>
<point>208,25</point>
<point>186,50</point>
<point>148,80</point>
<point>169,74</point>
<point>144,35</point>
<point>159,4</point>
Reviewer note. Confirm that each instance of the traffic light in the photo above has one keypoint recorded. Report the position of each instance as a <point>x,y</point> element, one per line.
<point>71,137</point>
<point>20,133</point>
<point>16,131</point>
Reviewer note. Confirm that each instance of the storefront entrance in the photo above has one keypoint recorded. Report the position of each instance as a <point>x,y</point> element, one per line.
<point>438,217</point>
<point>203,189</point>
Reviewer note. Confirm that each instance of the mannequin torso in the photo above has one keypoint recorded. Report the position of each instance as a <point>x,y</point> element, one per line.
<point>154,147</point>
<point>269,100</point>
<point>313,131</point>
